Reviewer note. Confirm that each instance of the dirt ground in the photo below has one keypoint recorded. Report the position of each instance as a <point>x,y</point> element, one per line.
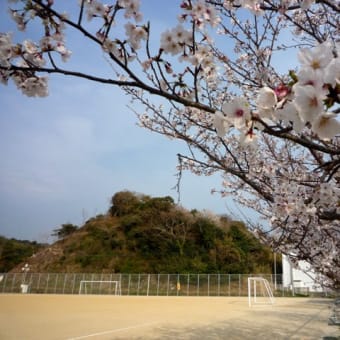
<point>66,317</point>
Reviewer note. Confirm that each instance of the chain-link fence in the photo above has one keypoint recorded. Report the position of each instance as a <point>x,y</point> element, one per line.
<point>135,284</point>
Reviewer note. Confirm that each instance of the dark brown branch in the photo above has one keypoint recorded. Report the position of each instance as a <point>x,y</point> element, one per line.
<point>121,83</point>
<point>283,133</point>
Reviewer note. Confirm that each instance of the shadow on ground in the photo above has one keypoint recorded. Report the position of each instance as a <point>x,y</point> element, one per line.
<point>240,330</point>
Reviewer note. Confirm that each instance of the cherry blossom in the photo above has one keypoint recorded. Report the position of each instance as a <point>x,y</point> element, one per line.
<point>305,4</point>
<point>237,112</point>
<point>253,5</point>
<point>6,50</point>
<point>290,115</point>
<point>135,34</point>
<point>317,58</point>
<point>332,72</point>
<point>19,19</point>
<point>64,52</point>
<point>110,46</point>
<point>309,102</point>
<point>220,123</point>
<point>174,40</point>
<point>326,126</point>
<point>203,12</point>
<point>131,9</point>
<point>266,102</point>
<point>248,139</point>
<point>169,44</point>
<point>95,9</point>
<point>32,86</point>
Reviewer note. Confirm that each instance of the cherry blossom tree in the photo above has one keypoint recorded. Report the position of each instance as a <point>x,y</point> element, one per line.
<point>251,86</point>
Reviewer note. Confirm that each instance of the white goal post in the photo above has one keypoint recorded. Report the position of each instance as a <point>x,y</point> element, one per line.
<point>100,287</point>
<point>259,291</point>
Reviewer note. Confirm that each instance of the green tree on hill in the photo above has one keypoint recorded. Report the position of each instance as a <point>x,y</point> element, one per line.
<point>65,230</point>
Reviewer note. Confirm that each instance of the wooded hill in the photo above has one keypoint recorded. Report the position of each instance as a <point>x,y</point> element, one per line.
<point>143,234</point>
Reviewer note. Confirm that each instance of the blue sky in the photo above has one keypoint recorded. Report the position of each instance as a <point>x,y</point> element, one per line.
<point>64,156</point>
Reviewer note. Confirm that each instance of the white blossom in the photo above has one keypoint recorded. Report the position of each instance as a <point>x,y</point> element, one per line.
<point>181,35</point>
<point>64,52</point>
<point>248,138</point>
<point>4,76</point>
<point>326,126</point>
<point>309,102</point>
<point>253,5</point>
<point>332,72</point>
<point>289,114</point>
<point>220,123</point>
<point>110,46</point>
<point>237,112</point>
<point>95,8</point>
<point>46,43</point>
<point>19,19</point>
<point>131,9</point>
<point>308,76</point>
<point>204,12</point>
<point>169,43</point>
<point>5,46</point>
<point>316,58</point>
<point>146,64</point>
<point>305,4</point>
<point>135,34</point>
<point>34,87</point>
<point>266,102</point>
<point>30,47</point>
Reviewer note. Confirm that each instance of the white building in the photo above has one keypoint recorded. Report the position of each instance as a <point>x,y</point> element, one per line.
<point>302,279</point>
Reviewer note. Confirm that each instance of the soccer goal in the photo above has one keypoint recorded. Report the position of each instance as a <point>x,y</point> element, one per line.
<point>259,291</point>
<point>100,287</point>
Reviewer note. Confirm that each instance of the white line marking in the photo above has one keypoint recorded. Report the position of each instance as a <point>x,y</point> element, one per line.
<point>112,331</point>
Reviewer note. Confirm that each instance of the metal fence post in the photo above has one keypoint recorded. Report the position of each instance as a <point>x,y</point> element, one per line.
<point>56,282</point>
<point>229,286</point>
<point>138,284</point>
<point>208,284</point>
<point>128,291</point>
<point>74,282</point>
<point>65,280</point>
<point>13,281</point>
<point>188,285</point>
<point>5,283</point>
<point>48,278</point>
<point>239,284</point>
<point>158,284</point>
<point>167,288</point>
<point>38,284</point>
<point>148,287</point>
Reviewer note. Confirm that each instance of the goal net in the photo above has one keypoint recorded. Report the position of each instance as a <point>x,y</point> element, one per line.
<point>100,287</point>
<point>259,291</point>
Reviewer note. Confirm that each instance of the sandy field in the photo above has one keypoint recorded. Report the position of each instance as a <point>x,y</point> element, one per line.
<point>66,317</point>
